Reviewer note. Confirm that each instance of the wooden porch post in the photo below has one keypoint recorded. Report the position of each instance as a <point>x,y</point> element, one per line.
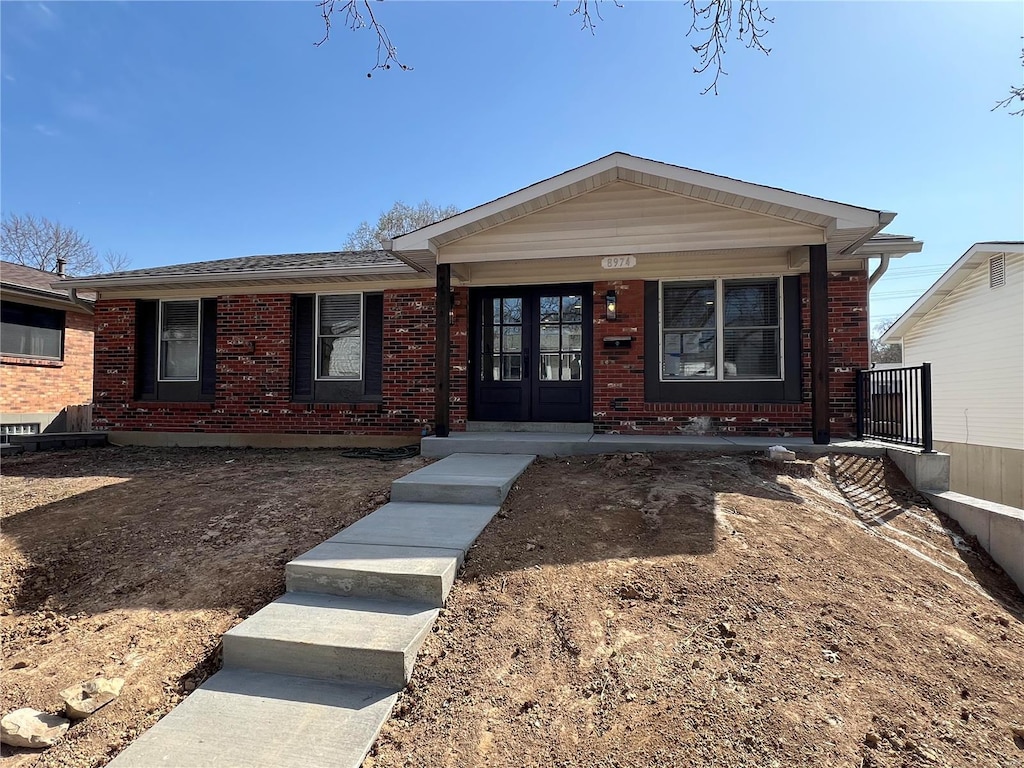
<point>442,350</point>
<point>819,345</point>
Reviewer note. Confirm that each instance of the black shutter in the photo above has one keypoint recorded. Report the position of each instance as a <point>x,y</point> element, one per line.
<point>145,348</point>
<point>373,352</point>
<point>303,309</point>
<point>208,350</point>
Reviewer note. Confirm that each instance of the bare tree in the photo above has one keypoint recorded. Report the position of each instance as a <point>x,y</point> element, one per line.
<point>713,22</point>
<point>114,261</point>
<point>401,218</point>
<point>38,242</point>
<point>1016,96</point>
<point>884,353</point>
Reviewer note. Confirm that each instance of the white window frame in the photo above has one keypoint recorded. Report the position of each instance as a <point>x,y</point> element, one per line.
<point>316,337</point>
<point>160,342</point>
<point>720,329</point>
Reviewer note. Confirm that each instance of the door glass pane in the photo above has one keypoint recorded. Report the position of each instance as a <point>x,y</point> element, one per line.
<point>572,309</point>
<point>549,308</point>
<point>513,335</point>
<point>572,366</point>
<point>512,311</point>
<point>549,337</point>
<point>511,367</point>
<point>572,337</point>
<point>549,367</point>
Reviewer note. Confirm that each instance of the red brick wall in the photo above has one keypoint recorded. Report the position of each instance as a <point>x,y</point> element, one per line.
<point>48,386</point>
<point>254,364</point>
<point>619,405</point>
<point>254,373</point>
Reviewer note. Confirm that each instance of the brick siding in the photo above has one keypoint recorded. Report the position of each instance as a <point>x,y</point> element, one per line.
<point>619,405</point>
<point>29,385</point>
<point>254,372</point>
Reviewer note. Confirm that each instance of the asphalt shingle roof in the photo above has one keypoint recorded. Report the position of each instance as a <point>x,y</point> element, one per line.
<point>37,280</point>
<point>284,261</point>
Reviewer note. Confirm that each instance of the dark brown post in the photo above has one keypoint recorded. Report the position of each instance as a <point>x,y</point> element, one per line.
<point>442,350</point>
<point>819,345</point>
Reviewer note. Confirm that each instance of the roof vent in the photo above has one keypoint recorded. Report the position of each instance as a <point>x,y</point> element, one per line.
<point>996,271</point>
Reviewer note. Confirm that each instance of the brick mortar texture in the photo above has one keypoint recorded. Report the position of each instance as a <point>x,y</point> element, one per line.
<point>48,387</point>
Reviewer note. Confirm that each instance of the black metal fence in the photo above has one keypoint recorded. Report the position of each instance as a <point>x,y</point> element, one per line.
<point>895,405</point>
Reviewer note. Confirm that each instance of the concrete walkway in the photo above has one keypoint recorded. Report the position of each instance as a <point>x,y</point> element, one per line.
<point>309,680</point>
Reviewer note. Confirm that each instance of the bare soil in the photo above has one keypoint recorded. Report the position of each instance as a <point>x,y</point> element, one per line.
<point>670,611</point>
<point>130,562</point>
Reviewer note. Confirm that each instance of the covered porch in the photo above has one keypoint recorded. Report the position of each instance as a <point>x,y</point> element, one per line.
<point>647,299</point>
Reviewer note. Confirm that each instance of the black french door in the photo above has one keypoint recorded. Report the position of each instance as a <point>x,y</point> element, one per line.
<point>530,353</point>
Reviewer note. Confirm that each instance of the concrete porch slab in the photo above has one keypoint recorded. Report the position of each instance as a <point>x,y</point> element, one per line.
<point>375,571</point>
<point>558,444</point>
<point>341,639</point>
<point>240,717</point>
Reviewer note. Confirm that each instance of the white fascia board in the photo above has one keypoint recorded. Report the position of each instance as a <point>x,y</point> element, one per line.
<point>846,216</point>
<point>226,277</point>
<point>975,256</point>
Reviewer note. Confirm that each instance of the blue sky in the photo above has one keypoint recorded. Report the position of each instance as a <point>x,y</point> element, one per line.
<point>197,130</point>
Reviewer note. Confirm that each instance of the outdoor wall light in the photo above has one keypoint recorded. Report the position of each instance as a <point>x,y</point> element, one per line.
<point>610,305</point>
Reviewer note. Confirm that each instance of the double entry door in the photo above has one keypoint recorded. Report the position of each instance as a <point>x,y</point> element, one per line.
<point>530,353</point>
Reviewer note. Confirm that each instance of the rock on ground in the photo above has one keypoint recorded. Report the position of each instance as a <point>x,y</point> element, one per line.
<point>83,699</point>
<point>31,728</point>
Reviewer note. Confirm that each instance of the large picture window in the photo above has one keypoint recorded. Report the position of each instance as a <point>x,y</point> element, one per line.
<point>28,331</point>
<point>179,340</point>
<point>339,345</point>
<point>721,330</point>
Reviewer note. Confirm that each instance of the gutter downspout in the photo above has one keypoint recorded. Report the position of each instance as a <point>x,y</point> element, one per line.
<point>880,270</point>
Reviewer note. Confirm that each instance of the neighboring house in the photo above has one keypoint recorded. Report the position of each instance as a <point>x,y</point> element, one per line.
<point>46,351</point>
<point>636,296</point>
<point>970,327</point>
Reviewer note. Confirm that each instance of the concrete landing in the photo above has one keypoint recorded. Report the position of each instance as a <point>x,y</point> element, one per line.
<point>343,639</point>
<point>258,720</point>
<point>463,478</point>
<point>420,574</point>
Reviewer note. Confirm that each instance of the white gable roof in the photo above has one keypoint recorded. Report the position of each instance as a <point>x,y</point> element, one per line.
<point>846,227</point>
<point>976,255</point>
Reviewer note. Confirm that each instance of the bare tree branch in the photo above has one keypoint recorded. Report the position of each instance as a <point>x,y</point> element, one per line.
<point>115,261</point>
<point>387,53</point>
<point>582,10</point>
<point>1016,94</point>
<point>714,18</point>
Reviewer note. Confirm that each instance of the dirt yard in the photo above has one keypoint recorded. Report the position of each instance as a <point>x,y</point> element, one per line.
<point>666,611</point>
<point>132,562</point>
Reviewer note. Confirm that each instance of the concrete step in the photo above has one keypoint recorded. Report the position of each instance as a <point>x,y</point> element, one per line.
<point>428,526</point>
<point>550,427</point>
<point>342,639</point>
<point>244,718</point>
<point>463,478</point>
<point>382,572</point>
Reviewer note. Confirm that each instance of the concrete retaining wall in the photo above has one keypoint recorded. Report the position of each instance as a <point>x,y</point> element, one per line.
<point>999,528</point>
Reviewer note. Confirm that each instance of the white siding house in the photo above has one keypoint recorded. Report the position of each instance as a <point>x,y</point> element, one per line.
<point>970,326</point>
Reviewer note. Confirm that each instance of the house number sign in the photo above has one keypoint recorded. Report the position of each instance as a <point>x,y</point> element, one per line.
<point>618,262</point>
